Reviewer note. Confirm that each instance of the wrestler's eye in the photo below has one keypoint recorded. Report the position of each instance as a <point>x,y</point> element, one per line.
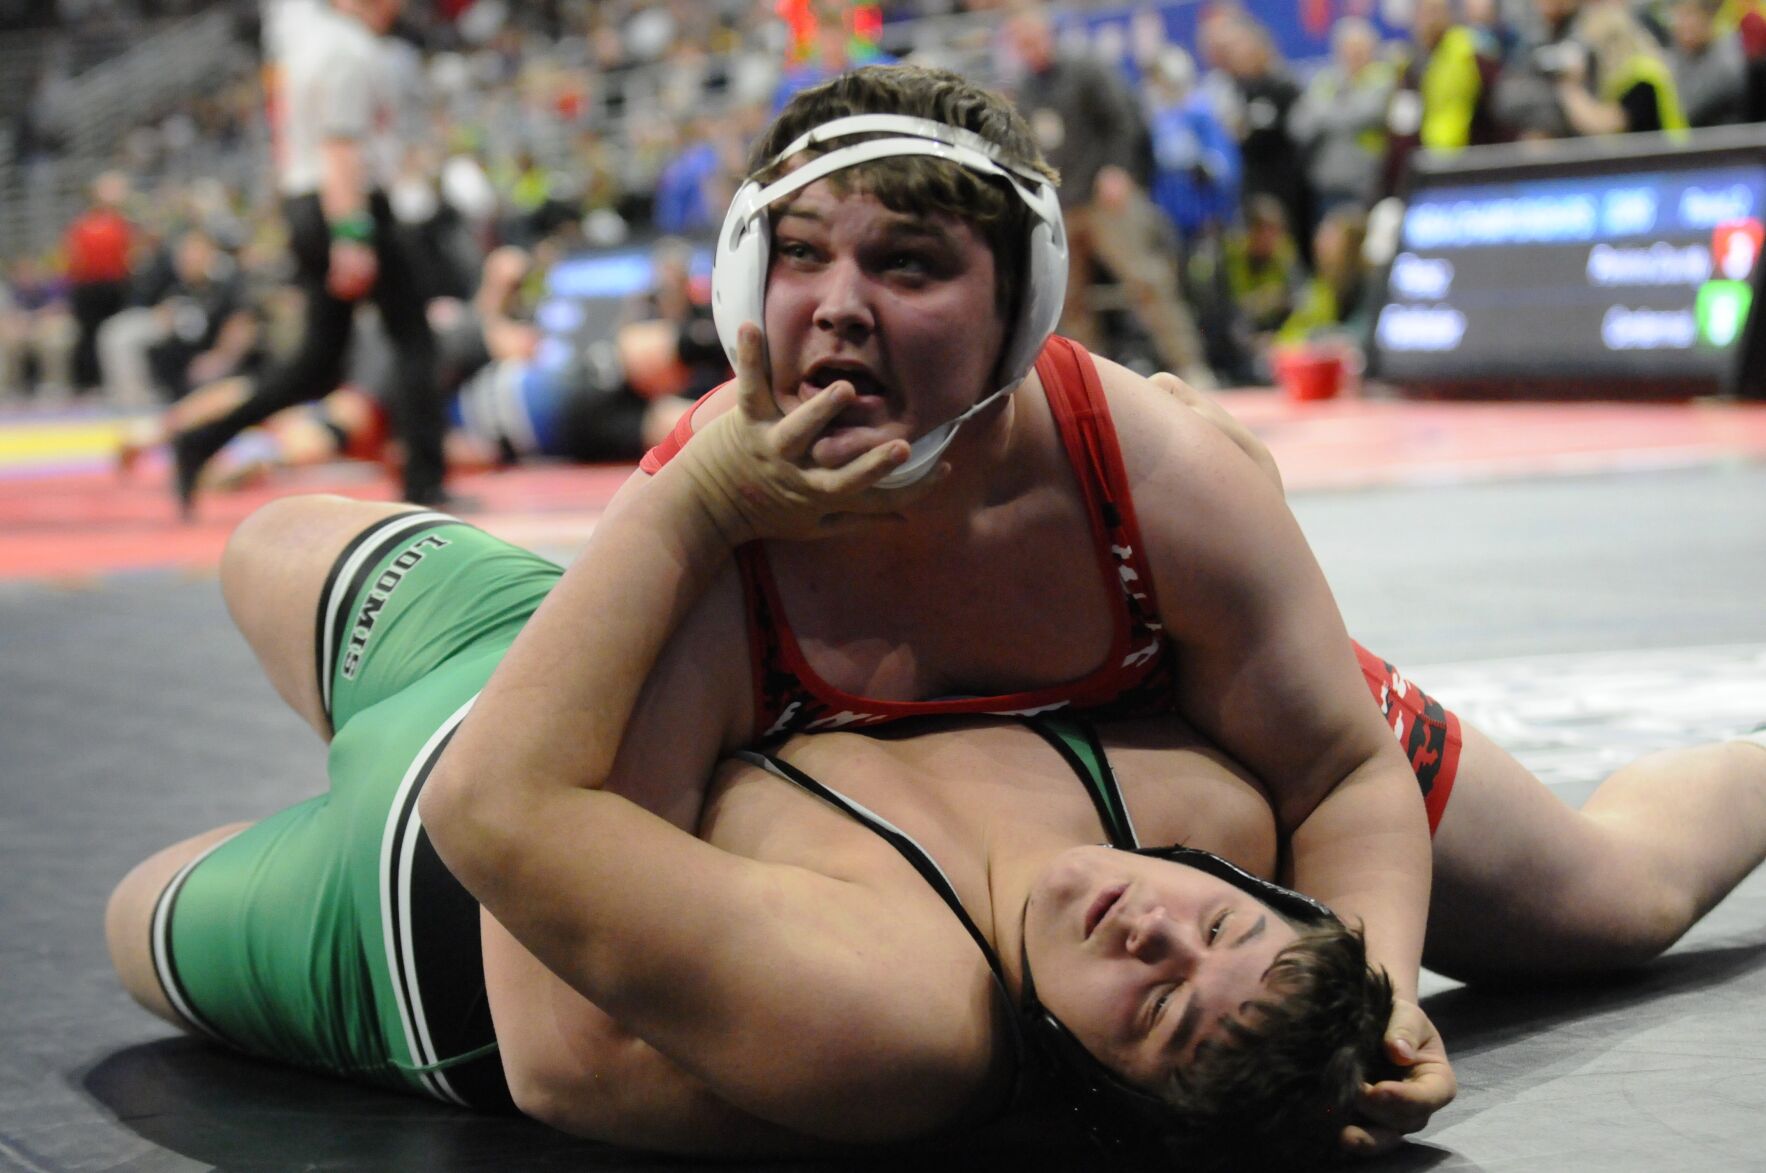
<point>910,263</point>
<point>1218,925</point>
<point>1160,1004</point>
<point>795,250</point>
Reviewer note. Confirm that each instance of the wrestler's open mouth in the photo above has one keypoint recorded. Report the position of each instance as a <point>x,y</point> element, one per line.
<point>1100,908</point>
<point>862,379</point>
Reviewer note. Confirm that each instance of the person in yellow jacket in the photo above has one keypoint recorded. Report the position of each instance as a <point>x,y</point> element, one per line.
<point>1335,302</point>
<point>1441,101</point>
<point>1635,88</point>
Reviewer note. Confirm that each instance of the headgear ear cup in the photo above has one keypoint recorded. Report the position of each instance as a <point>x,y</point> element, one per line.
<point>739,271</point>
<point>1045,284</point>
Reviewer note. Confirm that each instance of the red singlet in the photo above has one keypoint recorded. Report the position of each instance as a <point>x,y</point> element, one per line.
<point>1135,678</point>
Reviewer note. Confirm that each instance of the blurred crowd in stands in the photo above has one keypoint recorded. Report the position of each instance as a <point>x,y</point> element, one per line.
<point>1218,195</point>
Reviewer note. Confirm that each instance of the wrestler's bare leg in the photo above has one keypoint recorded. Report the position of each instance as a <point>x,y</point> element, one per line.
<point>128,919</point>
<point>1527,887</point>
<point>272,573</point>
<point>211,401</point>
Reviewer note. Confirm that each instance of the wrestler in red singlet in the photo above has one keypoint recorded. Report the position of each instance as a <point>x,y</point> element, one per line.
<point>1135,678</point>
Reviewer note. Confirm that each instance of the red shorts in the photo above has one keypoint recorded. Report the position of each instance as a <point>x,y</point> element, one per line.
<point>1429,733</point>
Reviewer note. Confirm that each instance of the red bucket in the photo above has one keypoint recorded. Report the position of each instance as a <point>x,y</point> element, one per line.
<point>1311,372</point>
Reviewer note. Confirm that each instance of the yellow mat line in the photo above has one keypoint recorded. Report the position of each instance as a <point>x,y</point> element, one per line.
<point>47,443</point>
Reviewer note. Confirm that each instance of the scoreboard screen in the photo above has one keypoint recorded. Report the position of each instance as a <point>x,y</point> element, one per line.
<point>1591,273</point>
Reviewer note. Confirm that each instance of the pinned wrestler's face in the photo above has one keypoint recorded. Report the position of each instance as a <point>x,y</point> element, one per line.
<point>901,305</point>
<point>1143,959</point>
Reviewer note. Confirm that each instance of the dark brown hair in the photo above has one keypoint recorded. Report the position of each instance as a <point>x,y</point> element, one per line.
<point>1276,1091</point>
<point>917,184</point>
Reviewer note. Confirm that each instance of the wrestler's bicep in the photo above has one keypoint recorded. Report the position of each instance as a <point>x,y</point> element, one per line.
<point>1266,669</point>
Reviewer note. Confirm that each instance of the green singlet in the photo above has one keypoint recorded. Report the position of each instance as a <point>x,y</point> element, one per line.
<point>330,936</point>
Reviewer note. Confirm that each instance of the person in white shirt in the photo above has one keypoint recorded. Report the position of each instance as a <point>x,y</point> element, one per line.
<point>334,117</point>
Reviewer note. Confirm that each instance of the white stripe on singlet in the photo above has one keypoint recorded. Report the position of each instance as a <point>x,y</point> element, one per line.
<point>160,940</point>
<point>398,845</point>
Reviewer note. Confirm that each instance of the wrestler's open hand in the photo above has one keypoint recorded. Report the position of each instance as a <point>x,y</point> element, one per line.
<point>753,472</point>
<point>1388,1110</point>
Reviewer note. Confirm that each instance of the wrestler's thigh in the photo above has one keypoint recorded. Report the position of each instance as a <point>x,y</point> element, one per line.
<point>1524,885</point>
<point>275,568</point>
<point>128,919</point>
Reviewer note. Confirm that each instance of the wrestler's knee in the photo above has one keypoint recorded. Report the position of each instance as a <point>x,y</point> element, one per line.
<point>128,919</point>
<point>1636,907</point>
<point>261,543</point>
<point>287,548</point>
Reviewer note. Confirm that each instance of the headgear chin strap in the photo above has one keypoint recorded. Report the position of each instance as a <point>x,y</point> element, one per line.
<point>739,272</point>
<point>1118,1116</point>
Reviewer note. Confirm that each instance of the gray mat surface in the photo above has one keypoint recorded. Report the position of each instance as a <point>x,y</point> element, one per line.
<point>133,716</point>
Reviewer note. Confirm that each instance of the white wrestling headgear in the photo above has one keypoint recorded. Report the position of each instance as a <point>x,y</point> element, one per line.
<point>738,275</point>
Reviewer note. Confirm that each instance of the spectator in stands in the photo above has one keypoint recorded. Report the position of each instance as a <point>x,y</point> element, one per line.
<point>1089,126</point>
<point>1635,88</point>
<point>1273,164</point>
<point>1196,166</point>
<point>1751,28</point>
<point>1335,302</point>
<point>194,326</point>
<point>828,37</point>
<point>1496,34</point>
<point>37,333</point>
<point>1263,270</point>
<point>536,200</point>
<point>99,246</point>
<point>1524,99</point>
<point>1340,120</point>
<point>1710,72</point>
<point>695,186</point>
<point>1196,175</point>
<point>1215,30</point>
<point>1442,98</point>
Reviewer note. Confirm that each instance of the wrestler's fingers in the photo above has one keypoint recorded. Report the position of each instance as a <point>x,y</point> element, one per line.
<point>863,470</point>
<point>1408,1104</point>
<point>1366,1140</point>
<point>794,434</point>
<point>856,482</point>
<point>754,391</point>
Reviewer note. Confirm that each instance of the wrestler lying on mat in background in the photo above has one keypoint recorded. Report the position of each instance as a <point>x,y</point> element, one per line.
<point>508,401</point>
<point>845,953</point>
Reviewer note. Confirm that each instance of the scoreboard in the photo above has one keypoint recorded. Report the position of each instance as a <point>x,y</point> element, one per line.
<point>1627,266</point>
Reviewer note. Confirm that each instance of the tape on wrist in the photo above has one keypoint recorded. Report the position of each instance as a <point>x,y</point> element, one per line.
<point>359,228</point>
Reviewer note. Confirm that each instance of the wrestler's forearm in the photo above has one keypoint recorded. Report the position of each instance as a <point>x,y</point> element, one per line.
<point>1364,851</point>
<point>554,714</point>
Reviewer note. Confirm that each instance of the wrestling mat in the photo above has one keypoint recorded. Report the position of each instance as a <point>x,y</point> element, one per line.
<point>67,514</point>
<point>1582,582</point>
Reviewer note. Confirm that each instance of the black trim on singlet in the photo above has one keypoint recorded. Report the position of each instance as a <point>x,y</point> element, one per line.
<point>438,963</point>
<point>165,961</point>
<point>918,856</point>
<point>450,974</point>
<point>389,532</point>
<point>1062,730</point>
